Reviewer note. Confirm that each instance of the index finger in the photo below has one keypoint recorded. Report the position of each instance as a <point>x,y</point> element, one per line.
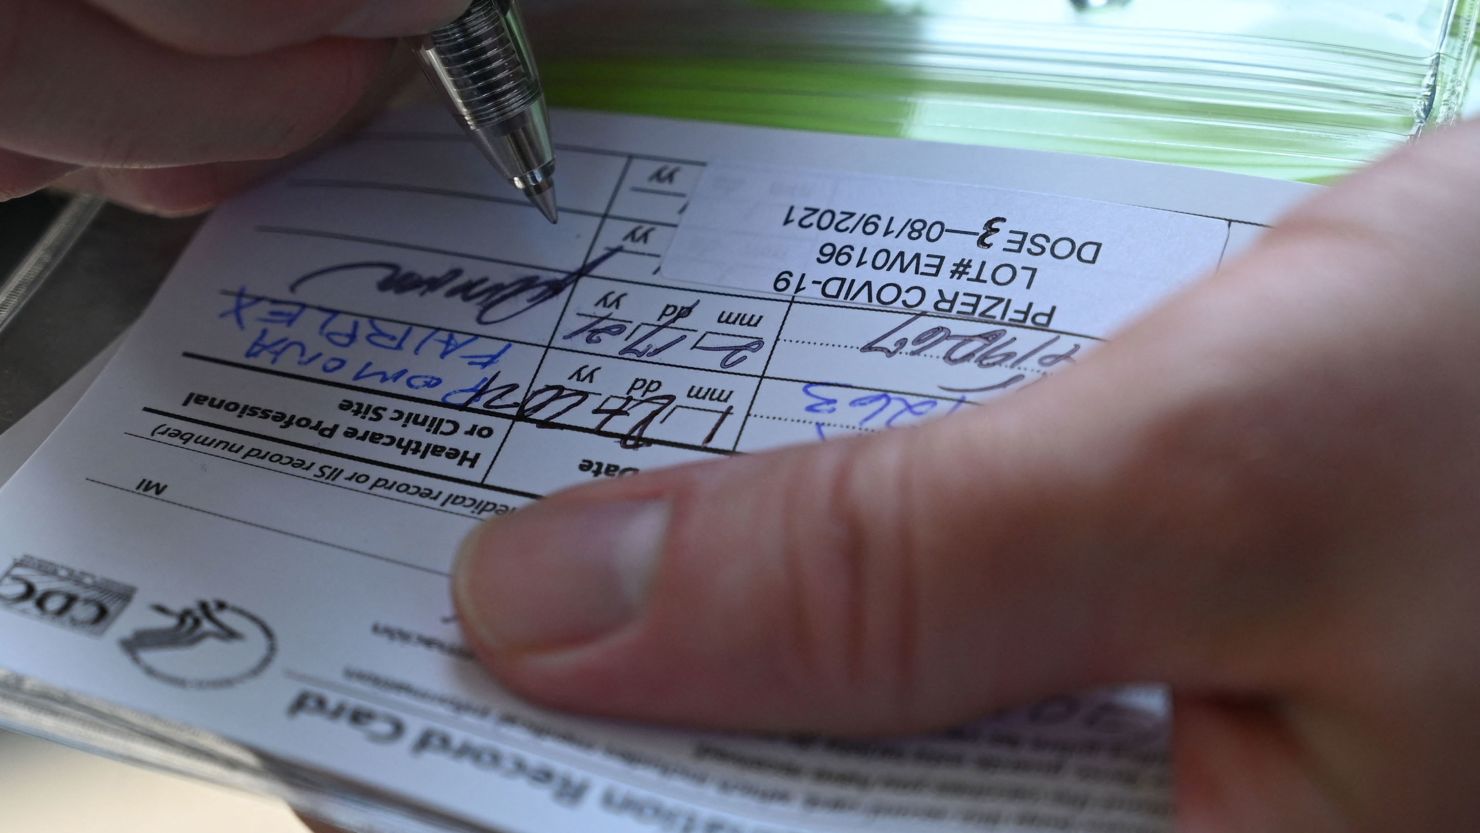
<point>240,27</point>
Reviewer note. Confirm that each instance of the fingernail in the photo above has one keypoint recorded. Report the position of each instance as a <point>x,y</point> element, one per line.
<point>394,18</point>
<point>555,576</point>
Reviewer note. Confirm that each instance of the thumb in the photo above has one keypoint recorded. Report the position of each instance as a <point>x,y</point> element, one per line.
<point>907,579</point>
<point>1163,512</point>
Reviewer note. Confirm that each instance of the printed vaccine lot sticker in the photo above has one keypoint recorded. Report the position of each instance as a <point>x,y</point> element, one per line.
<point>994,254</point>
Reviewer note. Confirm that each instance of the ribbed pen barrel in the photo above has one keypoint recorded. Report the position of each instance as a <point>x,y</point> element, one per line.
<point>482,64</point>
<point>483,57</point>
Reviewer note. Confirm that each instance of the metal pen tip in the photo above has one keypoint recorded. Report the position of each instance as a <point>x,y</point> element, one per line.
<point>544,200</point>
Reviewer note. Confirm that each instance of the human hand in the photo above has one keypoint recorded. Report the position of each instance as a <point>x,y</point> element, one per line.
<point>172,105</point>
<point>1266,493</point>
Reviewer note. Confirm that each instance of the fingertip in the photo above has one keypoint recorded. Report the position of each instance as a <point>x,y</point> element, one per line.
<point>169,192</point>
<point>114,100</point>
<point>340,75</point>
<point>396,18</point>
<point>223,29</point>
<point>179,192</point>
<point>21,174</point>
<point>555,576</point>
<point>246,27</point>
<point>552,602</point>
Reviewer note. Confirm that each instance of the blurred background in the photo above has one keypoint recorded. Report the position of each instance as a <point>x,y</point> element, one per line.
<point>1300,90</point>
<point>48,787</point>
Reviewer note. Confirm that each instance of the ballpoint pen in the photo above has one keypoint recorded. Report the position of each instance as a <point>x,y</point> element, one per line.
<point>482,64</point>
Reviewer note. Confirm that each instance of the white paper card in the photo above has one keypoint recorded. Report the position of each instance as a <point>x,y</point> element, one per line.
<point>246,525</point>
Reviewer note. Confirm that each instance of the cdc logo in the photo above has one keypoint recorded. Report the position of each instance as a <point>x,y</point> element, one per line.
<point>62,596</point>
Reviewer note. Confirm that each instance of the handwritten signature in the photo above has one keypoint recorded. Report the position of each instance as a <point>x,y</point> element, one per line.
<point>495,301</point>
